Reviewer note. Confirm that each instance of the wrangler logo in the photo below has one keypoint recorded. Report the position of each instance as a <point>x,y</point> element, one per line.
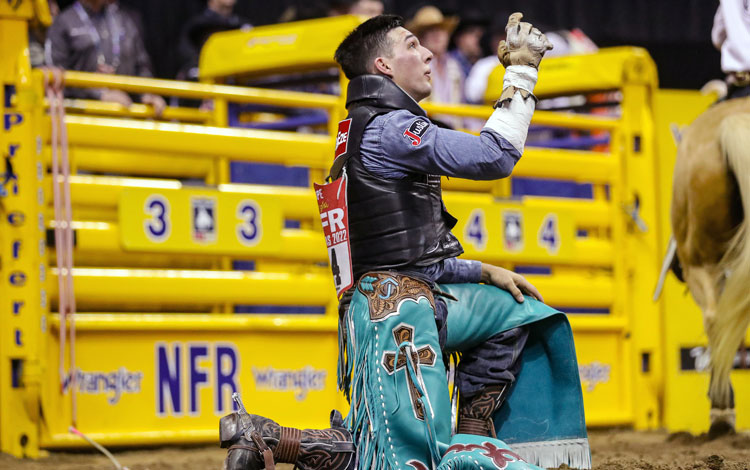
<point>299,381</point>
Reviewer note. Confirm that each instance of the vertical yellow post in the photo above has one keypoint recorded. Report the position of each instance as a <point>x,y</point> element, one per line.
<point>222,176</point>
<point>640,208</point>
<point>23,300</point>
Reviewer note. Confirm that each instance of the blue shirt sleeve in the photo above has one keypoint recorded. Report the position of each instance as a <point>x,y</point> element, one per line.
<point>452,271</point>
<point>458,271</point>
<point>399,143</point>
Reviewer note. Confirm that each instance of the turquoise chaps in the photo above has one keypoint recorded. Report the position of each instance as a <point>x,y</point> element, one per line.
<point>393,371</point>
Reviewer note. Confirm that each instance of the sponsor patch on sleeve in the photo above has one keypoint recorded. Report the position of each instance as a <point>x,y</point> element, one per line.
<point>416,130</point>
<point>342,138</point>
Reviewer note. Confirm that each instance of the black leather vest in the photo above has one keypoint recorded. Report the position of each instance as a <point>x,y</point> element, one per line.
<point>392,223</point>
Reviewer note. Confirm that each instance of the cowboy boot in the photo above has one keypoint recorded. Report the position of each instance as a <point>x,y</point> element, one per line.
<point>266,443</point>
<point>475,413</point>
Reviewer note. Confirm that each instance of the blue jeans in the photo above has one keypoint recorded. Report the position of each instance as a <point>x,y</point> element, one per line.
<point>495,361</point>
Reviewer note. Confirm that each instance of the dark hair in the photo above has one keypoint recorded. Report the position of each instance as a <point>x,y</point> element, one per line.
<point>368,41</point>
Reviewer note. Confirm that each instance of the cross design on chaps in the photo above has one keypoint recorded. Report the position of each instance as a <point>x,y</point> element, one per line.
<point>424,356</point>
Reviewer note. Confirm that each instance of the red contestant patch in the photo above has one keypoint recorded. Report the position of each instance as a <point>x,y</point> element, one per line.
<point>342,137</point>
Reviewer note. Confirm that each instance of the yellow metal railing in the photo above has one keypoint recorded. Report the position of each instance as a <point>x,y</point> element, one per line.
<point>135,110</point>
<point>200,91</point>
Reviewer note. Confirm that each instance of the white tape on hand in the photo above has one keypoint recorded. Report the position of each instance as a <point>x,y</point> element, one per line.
<point>512,118</point>
<point>520,76</point>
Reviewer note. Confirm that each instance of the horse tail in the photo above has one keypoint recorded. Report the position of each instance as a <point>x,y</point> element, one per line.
<point>727,331</point>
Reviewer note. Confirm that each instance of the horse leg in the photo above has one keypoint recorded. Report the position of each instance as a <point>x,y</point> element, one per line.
<point>701,281</point>
<point>723,417</point>
<point>704,283</point>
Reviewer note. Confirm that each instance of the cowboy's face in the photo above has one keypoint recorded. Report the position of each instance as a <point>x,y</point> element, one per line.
<point>408,64</point>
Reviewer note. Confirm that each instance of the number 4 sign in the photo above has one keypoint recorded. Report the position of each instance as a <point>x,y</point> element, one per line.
<point>335,220</point>
<point>549,234</point>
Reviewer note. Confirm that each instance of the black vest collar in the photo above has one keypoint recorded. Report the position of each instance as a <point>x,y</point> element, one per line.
<point>380,91</point>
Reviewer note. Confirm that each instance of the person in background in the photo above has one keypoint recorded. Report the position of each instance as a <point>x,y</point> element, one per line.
<point>475,84</point>
<point>434,31</point>
<point>37,35</point>
<point>467,41</point>
<point>96,36</point>
<point>731,35</point>
<point>366,8</point>
<point>218,16</point>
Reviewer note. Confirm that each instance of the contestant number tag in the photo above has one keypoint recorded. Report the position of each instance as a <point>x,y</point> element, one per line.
<point>335,220</point>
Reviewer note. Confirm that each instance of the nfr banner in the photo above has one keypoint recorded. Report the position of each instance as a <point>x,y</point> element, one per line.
<point>334,217</point>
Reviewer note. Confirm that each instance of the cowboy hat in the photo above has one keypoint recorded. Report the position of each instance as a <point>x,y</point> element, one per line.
<point>431,17</point>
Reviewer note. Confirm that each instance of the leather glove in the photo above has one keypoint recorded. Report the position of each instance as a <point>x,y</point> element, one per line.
<point>523,44</point>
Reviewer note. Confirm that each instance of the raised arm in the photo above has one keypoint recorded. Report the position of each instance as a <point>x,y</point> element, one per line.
<point>407,143</point>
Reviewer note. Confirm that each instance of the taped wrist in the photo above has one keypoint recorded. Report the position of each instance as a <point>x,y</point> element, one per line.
<point>513,110</point>
<point>523,77</point>
<point>518,78</point>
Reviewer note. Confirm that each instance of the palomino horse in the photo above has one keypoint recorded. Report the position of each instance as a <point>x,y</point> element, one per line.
<point>710,217</point>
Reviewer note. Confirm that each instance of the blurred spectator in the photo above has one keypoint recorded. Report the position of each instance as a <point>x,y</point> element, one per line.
<point>476,81</point>
<point>367,8</point>
<point>96,36</point>
<point>434,31</point>
<point>467,40</point>
<point>218,16</point>
<point>37,35</point>
<point>731,35</point>
<point>298,10</point>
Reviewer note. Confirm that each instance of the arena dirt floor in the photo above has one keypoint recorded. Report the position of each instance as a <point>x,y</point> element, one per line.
<point>611,450</point>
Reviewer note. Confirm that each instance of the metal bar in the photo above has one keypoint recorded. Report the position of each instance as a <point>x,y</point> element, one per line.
<point>586,213</point>
<point>564,290</point>
<point>101,286</point>
<point>102,321</point>
<point>597,323</point>
<point>573,165</point>
<point>142,162</point>
<point>590,252</point>
<point>288,148</point>
<point>135,110</point>
<point>104,239</point>
<point>194,90</point>
<point>575,121</point>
